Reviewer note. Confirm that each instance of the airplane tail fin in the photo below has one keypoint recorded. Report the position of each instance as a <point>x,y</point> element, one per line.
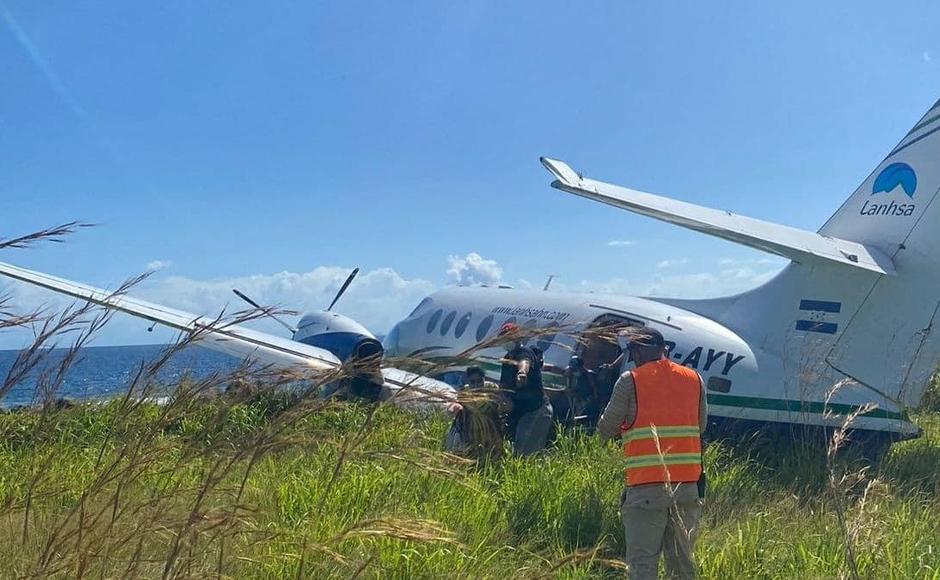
<point>860,297</point>
<point>875,328</point>
<point>889,342</point>
<point>886,207</point>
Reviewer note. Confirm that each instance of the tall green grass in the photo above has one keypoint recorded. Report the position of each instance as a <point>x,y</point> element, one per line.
<point>397,507</point>
<point>259,483</point>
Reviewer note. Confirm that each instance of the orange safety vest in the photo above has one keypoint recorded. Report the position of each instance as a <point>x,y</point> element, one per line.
<point>664,442</point>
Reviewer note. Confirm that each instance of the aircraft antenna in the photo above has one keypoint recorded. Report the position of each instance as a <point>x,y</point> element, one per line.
<point>343,288</point>
<point>548,282</point>
<point>256,305</point>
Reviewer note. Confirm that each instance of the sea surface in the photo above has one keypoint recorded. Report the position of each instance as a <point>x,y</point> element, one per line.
<point>107,371</point>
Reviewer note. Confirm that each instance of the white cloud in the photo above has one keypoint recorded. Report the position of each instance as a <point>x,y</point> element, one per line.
<point>663,264</point>
<point>474,269</point>
<point>620,243</point>
<point>378,299</point>
<point>157,265</point>
<point>926,56</point>
<point>726,278</point>
<point>687,285</point>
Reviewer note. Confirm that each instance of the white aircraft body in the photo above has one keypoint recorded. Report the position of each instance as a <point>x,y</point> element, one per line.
<point>845,327</point>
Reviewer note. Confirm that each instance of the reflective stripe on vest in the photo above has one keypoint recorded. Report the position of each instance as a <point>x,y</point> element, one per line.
<point>664,442</point>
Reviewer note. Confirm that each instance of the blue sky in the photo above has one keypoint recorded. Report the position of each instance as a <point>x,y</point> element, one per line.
<point>278,146</point>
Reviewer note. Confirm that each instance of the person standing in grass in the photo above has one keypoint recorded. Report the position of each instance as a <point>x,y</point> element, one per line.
<point>582,393</point>
<point>477,429</point>
<point>659,411</point>
<point>530,421</point>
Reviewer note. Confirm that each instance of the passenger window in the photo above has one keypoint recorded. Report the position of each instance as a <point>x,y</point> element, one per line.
<point>718,384</point>
<point>462,325</point>
<point>435,318</point>
<point>484,327</point>
<point>448,320</point>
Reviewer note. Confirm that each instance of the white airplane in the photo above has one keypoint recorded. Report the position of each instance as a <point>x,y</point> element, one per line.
<point>845,328</point>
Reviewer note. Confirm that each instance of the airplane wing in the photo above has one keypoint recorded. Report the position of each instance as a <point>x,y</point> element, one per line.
<point>231,339</point>
<point>798,245</point>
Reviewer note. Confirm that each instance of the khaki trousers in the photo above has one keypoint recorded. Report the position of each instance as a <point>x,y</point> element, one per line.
<point>660,519</point>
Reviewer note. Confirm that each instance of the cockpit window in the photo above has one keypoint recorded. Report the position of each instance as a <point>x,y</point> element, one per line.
<point>420,305</point>
<point>484,327</point>
<point>448,320</point>
<point>435,318</point>
<point>462,325</point>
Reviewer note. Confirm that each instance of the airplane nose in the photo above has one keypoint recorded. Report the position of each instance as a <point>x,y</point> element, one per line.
<point>391,341</point>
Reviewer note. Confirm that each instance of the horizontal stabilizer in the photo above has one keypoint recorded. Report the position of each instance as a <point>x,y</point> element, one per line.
<point>798,245</point>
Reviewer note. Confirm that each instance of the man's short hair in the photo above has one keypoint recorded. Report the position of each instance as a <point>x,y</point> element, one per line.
<point>475,371</point>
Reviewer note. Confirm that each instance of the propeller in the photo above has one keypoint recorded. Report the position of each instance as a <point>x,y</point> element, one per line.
<point>290,328</point>
<point>343,288</point>
<point>256,305</point>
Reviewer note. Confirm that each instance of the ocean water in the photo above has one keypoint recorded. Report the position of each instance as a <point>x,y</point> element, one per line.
<point>106,371</point>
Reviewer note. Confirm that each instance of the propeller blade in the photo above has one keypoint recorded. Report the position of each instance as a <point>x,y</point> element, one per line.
<point>342,289</point>
<point>259,307</point>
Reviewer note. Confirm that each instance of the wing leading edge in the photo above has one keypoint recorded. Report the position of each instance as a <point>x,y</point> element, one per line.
<point>235,340</point>
<point>798,245</point>
<point>230,339</point>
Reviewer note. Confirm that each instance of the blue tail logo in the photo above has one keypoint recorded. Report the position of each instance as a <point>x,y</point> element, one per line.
<point>894,175</point>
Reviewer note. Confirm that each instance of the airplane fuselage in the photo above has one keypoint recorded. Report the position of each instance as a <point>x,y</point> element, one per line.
<point>742,381</point>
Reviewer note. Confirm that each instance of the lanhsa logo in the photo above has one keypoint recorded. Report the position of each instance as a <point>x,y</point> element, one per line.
<point>892,176</point>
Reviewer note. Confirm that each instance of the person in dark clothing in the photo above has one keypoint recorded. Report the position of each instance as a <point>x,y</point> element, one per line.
<point>530,421</point>
<point>361,387</point>
<point>364,387</point>
<point>478,427</point>
<point>582,391</point>
<point>476,379</point>
<point>363,381</point>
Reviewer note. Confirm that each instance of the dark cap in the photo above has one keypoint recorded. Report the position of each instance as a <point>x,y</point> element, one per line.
<point>648,337</point>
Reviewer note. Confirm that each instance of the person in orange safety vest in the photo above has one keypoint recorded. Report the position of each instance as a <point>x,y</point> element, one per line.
<point>658,409</point>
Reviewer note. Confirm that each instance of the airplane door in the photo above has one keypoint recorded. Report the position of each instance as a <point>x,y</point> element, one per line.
<point>600,346</point>
<point>599,343</point>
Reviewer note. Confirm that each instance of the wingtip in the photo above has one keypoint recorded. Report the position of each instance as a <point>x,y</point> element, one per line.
<point>561,170</point>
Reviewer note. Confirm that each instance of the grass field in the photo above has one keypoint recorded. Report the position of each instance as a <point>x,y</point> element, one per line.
<point>258,488</point>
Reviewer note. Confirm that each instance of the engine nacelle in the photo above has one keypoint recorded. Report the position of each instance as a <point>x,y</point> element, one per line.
<point>340,335</point>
